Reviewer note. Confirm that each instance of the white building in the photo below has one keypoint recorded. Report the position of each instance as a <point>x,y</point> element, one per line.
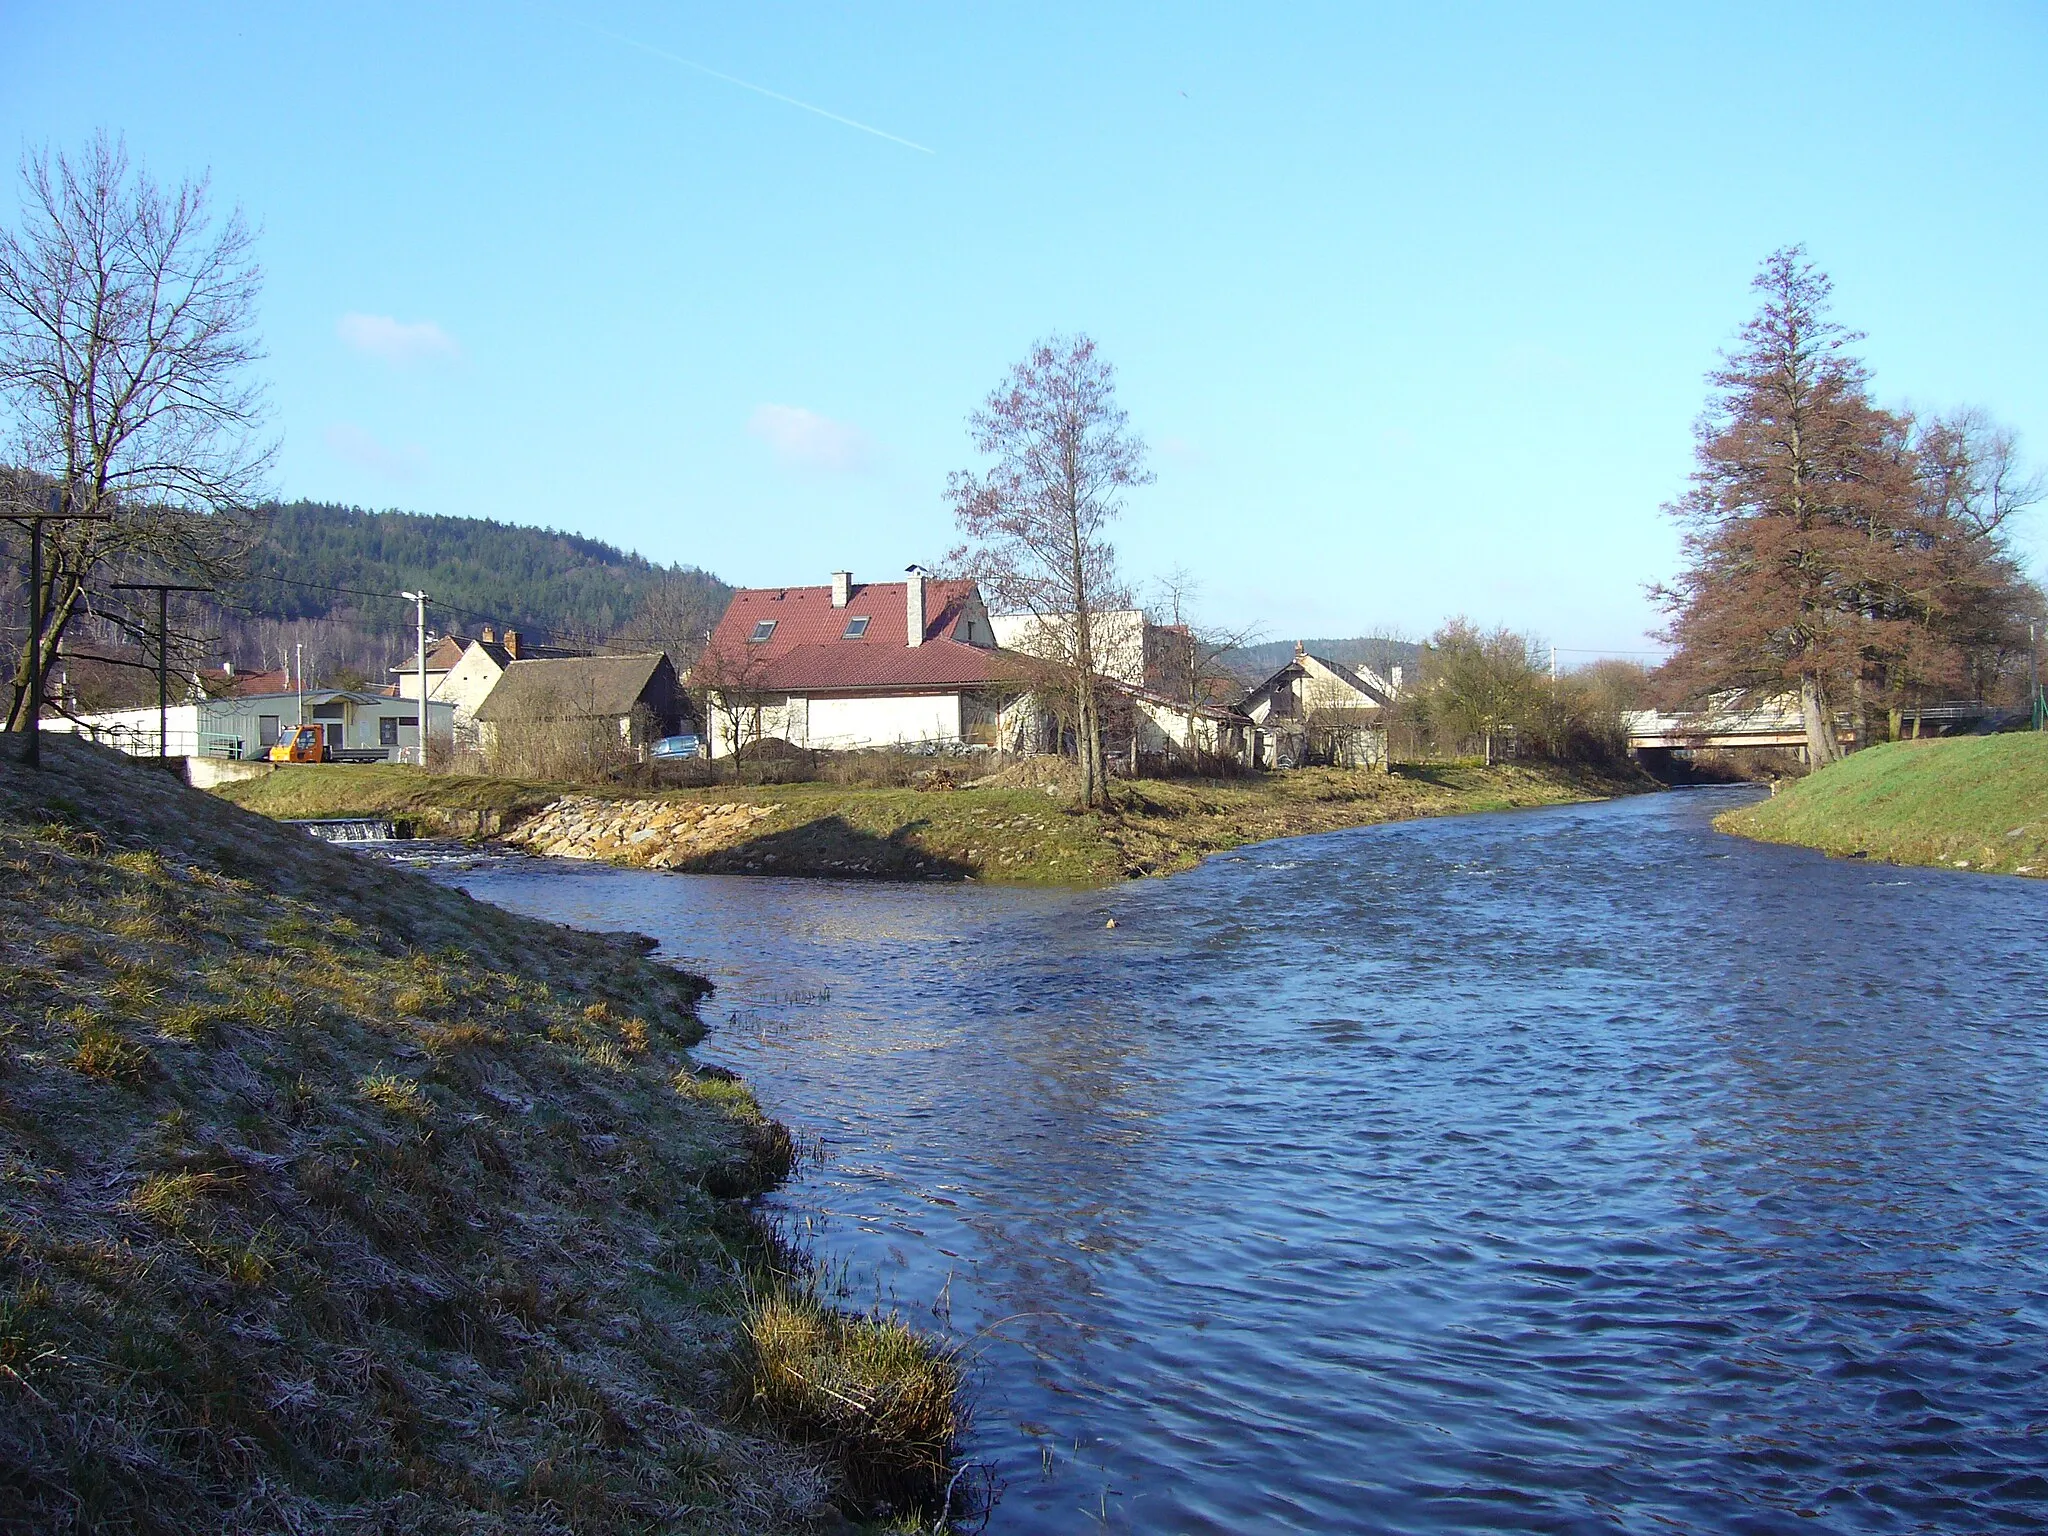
<point>1122,640</point>
<point>249,726</point>
<point>852,665</point>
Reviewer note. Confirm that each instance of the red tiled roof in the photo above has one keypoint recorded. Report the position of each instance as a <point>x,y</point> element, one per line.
<point>808,651</point>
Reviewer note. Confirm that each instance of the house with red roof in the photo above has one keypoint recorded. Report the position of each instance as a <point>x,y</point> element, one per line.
<point>855,664</point>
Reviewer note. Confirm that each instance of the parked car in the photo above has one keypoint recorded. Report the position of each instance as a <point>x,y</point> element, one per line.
<point>677,746</point>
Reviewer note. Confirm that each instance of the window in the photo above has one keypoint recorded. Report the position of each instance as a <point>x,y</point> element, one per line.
<point>763,628</point>
<point>855,628</point>
<point>266,729</point>
<point>387,730</point>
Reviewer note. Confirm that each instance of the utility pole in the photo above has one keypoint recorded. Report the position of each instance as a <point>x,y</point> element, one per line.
<point>420,598</point>
<point>163,591</point>
<point>299,656</point>
<point>2035,702</point>
<point>59,512</point>
<point>1553,669</point>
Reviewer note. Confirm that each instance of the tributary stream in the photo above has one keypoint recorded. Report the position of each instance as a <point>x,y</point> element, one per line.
<point>1571,1170</point>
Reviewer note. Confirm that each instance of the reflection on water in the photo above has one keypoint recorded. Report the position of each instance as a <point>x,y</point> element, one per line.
<point>1564,1171</point>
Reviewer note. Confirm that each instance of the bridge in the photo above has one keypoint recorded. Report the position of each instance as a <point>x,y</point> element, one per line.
<point>1773,724</point>
<point>1736,723</point>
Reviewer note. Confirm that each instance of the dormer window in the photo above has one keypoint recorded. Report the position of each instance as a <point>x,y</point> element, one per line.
<point>855,628</point>
<point>762,630</point>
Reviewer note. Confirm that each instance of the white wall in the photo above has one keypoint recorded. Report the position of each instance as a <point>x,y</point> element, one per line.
<point>844,724</point>
<point>1117,637</point>
<point>841,723</point>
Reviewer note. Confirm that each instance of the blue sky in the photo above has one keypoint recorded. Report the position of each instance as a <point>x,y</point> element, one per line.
<point>1413,303</point>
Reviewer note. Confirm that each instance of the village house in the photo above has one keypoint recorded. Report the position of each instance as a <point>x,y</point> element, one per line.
<point>248,725</point>
<point>638,698</point>
<point>855,664</point>
<point>1147,709</point>
<point>1318,710</point>
<point>461,672</point>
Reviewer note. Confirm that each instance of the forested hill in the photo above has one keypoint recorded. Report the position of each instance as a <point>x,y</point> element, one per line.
<point>475,570</point>
<point>1373,651</point>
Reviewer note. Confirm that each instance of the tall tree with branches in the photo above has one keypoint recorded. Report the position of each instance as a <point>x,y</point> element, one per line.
<point>1800,490</point>
<point>1037,520</point>
<point>1836,550</point>
<point>126,343</point>
<point>1188,660</point>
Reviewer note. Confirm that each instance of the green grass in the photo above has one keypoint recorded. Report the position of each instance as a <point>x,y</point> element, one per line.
<point>1004,834</point>
<point>444,801</point>
<point>330,1198</point>
<point>1978,802</point>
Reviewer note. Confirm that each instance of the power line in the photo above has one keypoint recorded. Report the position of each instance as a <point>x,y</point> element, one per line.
<point>396,597</point>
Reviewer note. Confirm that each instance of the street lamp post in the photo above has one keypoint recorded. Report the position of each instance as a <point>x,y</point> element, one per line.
<point>420,598</point>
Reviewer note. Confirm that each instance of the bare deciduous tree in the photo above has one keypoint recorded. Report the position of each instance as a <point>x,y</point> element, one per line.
<point>731,683</point>
<point>674,617</point>
<point>1037,520</point>
<point>1477,686</point>
<point>125,347</point>
<point>1192,661</point>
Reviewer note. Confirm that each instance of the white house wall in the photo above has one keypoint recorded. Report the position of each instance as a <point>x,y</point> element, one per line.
<point>463,687</point>
<point>1116,637</point>
<point>883,721</point>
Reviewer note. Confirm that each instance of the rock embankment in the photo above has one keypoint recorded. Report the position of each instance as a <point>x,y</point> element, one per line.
<point>650,834</point>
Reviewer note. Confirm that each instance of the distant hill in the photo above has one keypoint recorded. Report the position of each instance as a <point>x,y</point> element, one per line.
<point>553,585</point>
<point>1374,651</point>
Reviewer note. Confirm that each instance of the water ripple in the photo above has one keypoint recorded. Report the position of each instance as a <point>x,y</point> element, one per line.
<point>1566,1171</point>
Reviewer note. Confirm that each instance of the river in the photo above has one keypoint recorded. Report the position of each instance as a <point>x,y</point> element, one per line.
<point>1571,1170</point>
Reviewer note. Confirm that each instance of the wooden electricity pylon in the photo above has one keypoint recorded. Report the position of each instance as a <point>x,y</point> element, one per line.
<point>163,591</point>
<point>62,509</point>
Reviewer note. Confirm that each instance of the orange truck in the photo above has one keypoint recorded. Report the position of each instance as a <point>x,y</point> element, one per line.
<point>303,744</point>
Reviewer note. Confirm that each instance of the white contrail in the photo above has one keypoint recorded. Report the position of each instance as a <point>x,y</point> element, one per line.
<point>746,85</point>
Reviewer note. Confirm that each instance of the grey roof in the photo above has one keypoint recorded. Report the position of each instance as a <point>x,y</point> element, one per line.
<point>571,688</point>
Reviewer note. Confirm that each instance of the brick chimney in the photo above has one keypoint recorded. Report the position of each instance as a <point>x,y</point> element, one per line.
<point>842,588</point>
<point>913,603</point>
<point>512,644</point>
<point>488,634</point>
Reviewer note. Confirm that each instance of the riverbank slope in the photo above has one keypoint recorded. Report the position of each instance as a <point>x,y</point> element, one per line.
<point>1011,833</point>
<point>329,1196</point>
<point>1974,802</point>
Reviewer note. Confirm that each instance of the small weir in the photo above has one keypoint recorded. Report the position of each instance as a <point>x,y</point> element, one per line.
<point>354,829</point>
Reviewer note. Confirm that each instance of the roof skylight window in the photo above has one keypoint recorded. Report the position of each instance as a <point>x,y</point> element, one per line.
<point>763,628</point>
<point>855,628</point>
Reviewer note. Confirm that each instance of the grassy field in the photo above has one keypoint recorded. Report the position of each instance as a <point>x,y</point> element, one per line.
<point>331,1198</point>
<point>447,802</point>
<point>1012,834</point>
<point>1978,802</point>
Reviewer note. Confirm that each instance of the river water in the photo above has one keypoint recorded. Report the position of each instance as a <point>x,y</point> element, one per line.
<point>1571,1170</point>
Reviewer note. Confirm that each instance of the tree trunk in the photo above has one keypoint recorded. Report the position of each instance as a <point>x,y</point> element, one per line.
<point>1819,720</point>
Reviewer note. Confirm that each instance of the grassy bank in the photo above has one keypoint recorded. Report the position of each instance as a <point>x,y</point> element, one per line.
<point>984,832</point>
<point>330,1198</point>
<point>1978,802</point>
